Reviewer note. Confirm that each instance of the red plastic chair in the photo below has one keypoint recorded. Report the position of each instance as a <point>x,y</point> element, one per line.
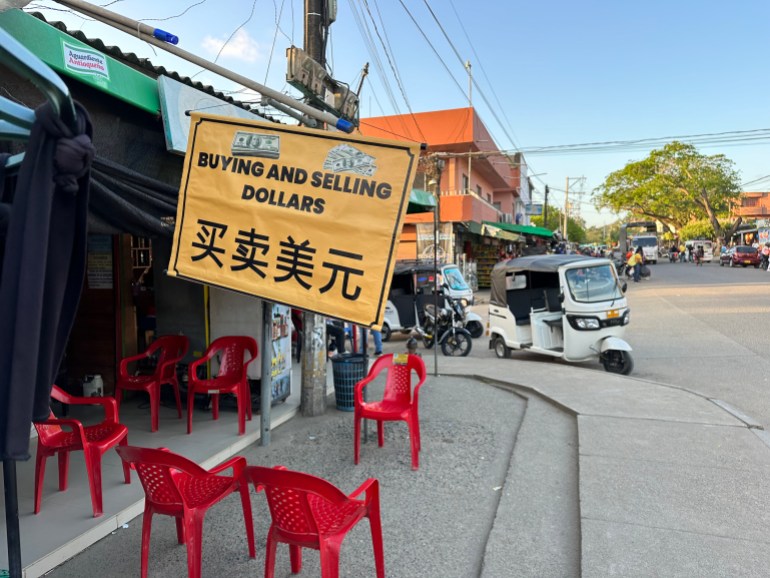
<point>175,486</point>
<point>170,350</point>
<point>309,512</point>
<point>94,440</point>
<point>399,401</point>
<point>231,377</point>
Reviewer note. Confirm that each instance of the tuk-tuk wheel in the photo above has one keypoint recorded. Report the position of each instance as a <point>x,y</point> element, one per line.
<point>501,349</point>
<point>385,332</point>
<point>616,361</point>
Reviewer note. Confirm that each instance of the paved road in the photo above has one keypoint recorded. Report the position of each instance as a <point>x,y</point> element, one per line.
<point>703,328</point>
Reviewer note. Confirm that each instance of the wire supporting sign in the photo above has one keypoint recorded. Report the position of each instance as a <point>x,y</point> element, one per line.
<point>296,216</point>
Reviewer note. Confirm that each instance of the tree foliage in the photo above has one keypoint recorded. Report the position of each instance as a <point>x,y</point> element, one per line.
<point>674,185</point>
<point>701,229</point>
<point>575,227</point>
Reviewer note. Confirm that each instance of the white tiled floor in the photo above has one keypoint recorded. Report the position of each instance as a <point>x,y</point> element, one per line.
<point>65,525</point>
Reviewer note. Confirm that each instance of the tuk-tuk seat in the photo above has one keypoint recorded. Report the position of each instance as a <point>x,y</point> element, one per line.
<point>552,301</point>
<point>553,323</point>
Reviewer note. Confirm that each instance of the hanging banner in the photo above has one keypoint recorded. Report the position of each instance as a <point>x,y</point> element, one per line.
<point>280,354</point>
<point>301,217</point>
<point>425,238</point>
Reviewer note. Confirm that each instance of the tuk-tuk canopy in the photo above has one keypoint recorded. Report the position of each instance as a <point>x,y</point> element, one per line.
<point>540,263</point>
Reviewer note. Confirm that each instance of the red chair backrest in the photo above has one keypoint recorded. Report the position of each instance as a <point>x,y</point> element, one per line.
<point>232,349</point>
<point>297,501</point>
<point>155,469</point>
<point>171,349</point>
<point>398,384</point>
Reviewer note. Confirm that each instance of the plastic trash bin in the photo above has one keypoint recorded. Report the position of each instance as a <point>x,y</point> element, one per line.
<point>348,370</point>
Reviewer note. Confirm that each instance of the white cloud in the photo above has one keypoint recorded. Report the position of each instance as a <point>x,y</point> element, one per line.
<point>240,47</point>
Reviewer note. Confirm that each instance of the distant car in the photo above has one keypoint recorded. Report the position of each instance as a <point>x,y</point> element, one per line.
<point>742,255</point>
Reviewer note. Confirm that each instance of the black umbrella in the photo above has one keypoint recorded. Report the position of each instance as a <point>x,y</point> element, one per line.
<point>43,267</point>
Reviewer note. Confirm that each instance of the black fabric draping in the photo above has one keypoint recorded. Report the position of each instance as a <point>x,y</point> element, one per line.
<point>43,268</point>
<point>124,201</point>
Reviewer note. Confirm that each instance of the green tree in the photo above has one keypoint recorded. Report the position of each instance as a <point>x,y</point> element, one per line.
<point>575,227</point>
<point>674,185</point>
<point>701,229</point>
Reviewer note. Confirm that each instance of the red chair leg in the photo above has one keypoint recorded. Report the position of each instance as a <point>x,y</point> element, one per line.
<point>64,469</point>
<point>154,392</point>
<point>93,459</point>
<point>193,529</point>
<point>126,466</point>
<point>380,433</point>
<point>416,419</point>
<point>295,556</point>
<point>39,477</point>
<point>330,558</point>
<point>215,406</point>
<point>175,385</point>
<point>375,524</point>
<point>247,517</point>
<point>414,445</point>
<point>247,396</point>
<point>356,439</point>
<point>272,545</point>
<point>241,401</point>
<point>179,530</point>
<point>146,530</point>
<point>190,404</point>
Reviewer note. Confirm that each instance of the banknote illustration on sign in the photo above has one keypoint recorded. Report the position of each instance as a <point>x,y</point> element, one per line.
<point>345,158</point>
<point>252,144</point>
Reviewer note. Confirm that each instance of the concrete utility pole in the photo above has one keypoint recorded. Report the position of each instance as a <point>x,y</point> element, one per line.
<point>566,211</point>
<point>313,398</point>
<point>545,208</point>
<point>470,104</point>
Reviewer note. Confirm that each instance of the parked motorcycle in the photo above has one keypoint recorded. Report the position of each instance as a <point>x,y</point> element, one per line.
<point>455,340</point>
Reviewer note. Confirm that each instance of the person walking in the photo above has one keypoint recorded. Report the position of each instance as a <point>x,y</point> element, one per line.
<point>682,252</point>
<point>635,262</point>
<point>699,256</point>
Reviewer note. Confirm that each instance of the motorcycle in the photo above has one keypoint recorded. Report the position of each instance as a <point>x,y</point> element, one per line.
<point>455,340</point>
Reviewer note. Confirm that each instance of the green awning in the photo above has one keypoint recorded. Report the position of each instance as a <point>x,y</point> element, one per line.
<point>420,202</point>
<point>69,56</point>
<point>491,230</point>
<point>498,233</point>
<point>522,229</point>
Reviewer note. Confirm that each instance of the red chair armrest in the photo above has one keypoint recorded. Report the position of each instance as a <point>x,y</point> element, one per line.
<point>131,359</point>
<point>109,404</point>
<point>359,389</point>
<point>238,463</point>
<point>371,487</point>
<point>76,426</point>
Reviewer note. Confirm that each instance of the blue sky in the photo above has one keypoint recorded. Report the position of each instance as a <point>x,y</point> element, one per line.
<point>548,73</point>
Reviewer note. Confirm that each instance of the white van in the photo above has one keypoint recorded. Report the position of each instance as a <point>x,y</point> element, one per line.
<point>649,245</point>
<point>708,248</point>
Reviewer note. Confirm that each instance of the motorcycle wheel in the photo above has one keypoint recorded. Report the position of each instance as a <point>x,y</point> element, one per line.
<point>475,328</point>
<point>385,332</point>
<point>457,345</point>
<point>617,361</point>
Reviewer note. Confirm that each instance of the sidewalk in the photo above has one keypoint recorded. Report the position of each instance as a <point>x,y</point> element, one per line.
<point>527,469</point>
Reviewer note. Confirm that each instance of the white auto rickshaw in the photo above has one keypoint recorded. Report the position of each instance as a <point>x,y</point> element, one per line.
<point>567,306</point>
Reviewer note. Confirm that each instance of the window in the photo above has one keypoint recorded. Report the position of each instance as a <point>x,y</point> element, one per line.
<point>466,183</point>
<point>478,189</point>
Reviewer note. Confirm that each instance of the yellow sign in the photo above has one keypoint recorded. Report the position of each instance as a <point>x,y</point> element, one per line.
<point>302,217</point>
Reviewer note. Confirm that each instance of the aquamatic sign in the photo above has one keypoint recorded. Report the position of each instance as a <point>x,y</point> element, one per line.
<point>301,217</point>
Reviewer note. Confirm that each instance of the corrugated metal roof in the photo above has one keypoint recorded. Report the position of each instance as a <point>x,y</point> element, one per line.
<point>145,65</point>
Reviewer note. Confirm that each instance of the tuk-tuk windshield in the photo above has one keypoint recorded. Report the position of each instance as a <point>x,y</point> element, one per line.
<point>593,284</point>
<point>454,279</point>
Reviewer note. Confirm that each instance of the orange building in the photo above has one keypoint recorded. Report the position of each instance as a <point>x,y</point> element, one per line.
<point>753,205</point>
<point>478,183</point>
